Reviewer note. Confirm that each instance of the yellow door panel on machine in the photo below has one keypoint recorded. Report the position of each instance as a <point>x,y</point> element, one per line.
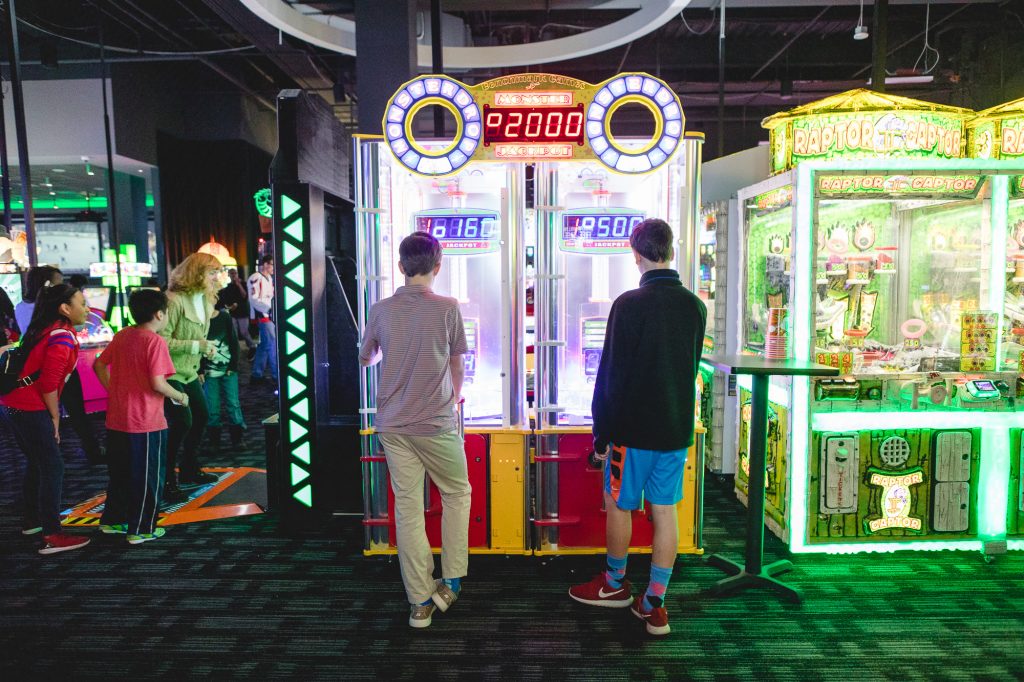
<point>508,493</point>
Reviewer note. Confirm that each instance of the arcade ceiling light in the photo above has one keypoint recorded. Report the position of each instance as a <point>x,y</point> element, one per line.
<point>339,35</point>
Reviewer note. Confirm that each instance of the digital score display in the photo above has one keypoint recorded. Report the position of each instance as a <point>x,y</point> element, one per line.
<point>464,232</point>
<point>605,231</point>
<point>534,117</point>
<point>533,124</point>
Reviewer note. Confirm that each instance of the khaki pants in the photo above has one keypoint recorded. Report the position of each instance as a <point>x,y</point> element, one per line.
<point>444,458</point>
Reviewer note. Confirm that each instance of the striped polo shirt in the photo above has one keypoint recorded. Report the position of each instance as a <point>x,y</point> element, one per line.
<point>417,332</point>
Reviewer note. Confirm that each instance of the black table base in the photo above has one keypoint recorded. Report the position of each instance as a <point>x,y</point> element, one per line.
<point>740,580</point>
<point>753,573</point>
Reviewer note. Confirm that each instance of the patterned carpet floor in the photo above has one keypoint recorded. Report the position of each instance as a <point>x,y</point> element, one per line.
<point>242,599</point>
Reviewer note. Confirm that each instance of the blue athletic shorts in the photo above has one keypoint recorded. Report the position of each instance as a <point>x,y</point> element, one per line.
<point>632,475</point>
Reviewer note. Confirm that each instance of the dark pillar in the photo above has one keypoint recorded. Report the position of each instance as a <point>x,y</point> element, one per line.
<point>880,44</point>
<point>385,56</point>
<point>5,181</point>
<point>132,222</point>
<point>436,59</point>
<point>721,81</point>
<point>14,54</point>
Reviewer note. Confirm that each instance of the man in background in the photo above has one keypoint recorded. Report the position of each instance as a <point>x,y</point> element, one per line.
<point>261,302</point>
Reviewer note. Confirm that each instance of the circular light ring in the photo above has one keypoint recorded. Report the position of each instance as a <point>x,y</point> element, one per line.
<point>659,100</point>
<point>432,91</point>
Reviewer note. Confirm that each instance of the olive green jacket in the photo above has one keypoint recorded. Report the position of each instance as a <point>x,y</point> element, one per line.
<point>183,332</point>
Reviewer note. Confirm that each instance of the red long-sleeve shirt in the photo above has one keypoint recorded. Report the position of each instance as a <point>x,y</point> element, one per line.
<point>56,355</point>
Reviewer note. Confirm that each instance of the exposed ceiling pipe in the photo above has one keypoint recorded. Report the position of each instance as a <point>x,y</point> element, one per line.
<point>804,29</point>
<point>266,103</point>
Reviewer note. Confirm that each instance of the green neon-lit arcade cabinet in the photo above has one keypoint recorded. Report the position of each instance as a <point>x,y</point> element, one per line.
<point>313,441</point>
<point>882,252</point>
<point>998,133</point>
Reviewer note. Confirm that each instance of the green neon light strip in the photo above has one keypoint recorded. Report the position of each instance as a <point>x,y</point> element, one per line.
<point>299,445</point>
<point>920,545</point>
<point>803,318</point>
<point>929,166</point>
<point>842,421</point>
<point>997,286</point>
<point>994,481</point>
<point>1015,544</point>
<point>94,203</point>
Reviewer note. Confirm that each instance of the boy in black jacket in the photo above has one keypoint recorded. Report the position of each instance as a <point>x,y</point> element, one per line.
<point>221,375</point>
<point>643,407</point>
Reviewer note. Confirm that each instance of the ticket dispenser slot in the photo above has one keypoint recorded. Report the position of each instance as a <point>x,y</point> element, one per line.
<point>840,462</point>
<point>952,481</point>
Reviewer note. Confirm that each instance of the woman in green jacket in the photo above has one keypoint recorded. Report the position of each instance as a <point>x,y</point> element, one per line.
<point>192,292</point>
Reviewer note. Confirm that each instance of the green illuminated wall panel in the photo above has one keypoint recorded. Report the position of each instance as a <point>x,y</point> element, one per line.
<point>295,347</point>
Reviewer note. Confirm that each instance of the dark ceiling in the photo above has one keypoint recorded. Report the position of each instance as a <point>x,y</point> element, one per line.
<point>778,54</point>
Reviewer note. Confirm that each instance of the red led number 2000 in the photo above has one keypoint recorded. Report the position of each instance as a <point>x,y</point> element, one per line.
<point>533,124</point>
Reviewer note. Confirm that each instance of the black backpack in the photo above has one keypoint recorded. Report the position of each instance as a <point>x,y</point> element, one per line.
<point>12,363</point>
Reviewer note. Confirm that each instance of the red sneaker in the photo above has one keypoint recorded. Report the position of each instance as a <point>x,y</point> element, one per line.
<point>60,542</point>
<point>656,619</point>
<point>599,593</point>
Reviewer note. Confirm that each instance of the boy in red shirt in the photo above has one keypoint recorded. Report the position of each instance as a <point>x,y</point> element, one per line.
<point>134,370</point>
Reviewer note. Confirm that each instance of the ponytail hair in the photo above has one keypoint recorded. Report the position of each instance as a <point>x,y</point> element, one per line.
<point>47,310</point>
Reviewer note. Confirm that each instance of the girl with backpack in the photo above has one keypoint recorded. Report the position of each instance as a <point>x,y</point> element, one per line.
<point>33,410</point>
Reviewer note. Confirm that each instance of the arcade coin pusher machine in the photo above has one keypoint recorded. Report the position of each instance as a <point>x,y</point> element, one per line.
<point>887,254</point>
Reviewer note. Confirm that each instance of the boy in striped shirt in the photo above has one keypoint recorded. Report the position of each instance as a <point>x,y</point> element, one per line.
<point>418,338</point>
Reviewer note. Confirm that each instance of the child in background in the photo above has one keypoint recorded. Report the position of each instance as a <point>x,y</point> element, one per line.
<point>134,369</point>
<point>221,374</point>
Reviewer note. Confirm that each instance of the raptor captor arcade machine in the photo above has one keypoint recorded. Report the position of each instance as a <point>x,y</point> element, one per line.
<point>886,252</point>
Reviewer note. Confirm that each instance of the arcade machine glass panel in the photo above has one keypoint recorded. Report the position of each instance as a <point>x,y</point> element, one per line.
<point>464,213</point>
<point>588,253</point>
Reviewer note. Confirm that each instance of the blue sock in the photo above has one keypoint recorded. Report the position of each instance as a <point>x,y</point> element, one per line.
<point>424,603</point>
<point>616,571</point>
<point>655,595</point>
<point>454,584</point>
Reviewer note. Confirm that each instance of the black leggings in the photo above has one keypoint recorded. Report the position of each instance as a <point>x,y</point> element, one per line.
<point>74,403</point>
<point>185,427</point>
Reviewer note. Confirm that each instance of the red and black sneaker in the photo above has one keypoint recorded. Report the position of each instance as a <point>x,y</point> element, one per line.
<point>61,542</point>
<point>599,593</point>
<point>655,619</point>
